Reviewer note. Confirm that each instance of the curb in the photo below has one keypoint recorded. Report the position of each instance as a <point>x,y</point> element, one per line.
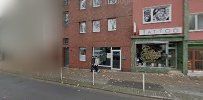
<point>81,86</point>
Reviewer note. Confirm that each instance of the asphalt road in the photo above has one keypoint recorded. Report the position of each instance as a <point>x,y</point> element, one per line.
<point>14,87</point>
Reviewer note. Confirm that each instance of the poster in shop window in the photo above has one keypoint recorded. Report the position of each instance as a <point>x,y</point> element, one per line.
<point>147,15</point>
<point>157,14</point>
<point>161,14</point>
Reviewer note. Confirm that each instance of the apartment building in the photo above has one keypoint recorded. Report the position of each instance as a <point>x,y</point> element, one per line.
<point>127,34</point>
<point>100,28</point>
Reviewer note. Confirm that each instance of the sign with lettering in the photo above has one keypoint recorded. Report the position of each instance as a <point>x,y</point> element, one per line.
<point>161,31</point>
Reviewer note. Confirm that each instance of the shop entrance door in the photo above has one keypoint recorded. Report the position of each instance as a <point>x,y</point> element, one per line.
<point>116,59</point>
<point>172,57</point>
<point>196,59</point>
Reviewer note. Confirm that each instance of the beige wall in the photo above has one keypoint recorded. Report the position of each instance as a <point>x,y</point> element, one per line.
<point>30,32</point>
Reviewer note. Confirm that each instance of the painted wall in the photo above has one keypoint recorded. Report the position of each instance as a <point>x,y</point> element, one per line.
<point>30,32</point>
<point>177,13</point>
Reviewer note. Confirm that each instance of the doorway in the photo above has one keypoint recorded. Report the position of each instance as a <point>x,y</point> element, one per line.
<point>196,59</point>
<point>66,57</point>
<point>116,59</point>
<point>172,52</point>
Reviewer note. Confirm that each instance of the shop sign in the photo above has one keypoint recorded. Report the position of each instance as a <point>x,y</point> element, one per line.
<point>161,31</point>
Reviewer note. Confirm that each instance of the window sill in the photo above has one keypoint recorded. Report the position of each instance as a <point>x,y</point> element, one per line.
<point>111,30</point>
<point>82,8</point>
<point>96,32</point>
<point>104,66</point>
<point>201,30</point>
<point>156,22</point>
<point>96,6</point>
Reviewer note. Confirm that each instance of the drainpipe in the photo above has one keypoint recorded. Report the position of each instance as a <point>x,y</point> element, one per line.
<point>186,37</point>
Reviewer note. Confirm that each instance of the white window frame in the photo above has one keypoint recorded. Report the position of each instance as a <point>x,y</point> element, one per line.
<point>111,61</point>
<point>85,27</point>
<point>66,17</point>
<point>93,26</point>
<point>81,7</point>
<point>109,2</point>
<point>95,5</point>
<point>81,56</point>
<point>196,22</point>
<point>153,7</point>
<point>109,22</point>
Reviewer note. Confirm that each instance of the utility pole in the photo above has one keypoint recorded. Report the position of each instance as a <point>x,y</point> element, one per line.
<point>186,33</point>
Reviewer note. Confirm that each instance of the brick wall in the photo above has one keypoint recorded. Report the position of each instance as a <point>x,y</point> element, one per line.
<point>122,11</point>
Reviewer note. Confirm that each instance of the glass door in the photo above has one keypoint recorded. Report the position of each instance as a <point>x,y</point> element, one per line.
<point>116,59</point>
<point>172,61</point>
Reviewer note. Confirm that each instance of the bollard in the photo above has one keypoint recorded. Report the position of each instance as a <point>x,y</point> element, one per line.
<point>93,77</point>
<point>143,82</point>
<point>61,75</point>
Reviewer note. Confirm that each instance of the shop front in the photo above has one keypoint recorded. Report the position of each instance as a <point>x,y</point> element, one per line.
<point>158,52</point>
<point>195,57</point>
<point>108,57</point>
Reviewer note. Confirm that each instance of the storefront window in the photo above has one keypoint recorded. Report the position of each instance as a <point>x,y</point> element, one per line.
<point>104,55</point>
<point>151,55</point>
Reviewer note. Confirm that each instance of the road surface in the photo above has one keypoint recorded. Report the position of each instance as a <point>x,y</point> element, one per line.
<point>14,87</point>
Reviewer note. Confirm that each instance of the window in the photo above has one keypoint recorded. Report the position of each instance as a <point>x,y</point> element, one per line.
<point>82,4</point>
<point>104,55</point>
<point>66,2</point>
<point>96,3</point>
<point>151,55</point>
<point>96,26</point>
<point>66,17</point>
<point>65,41</point>
<point>82,27</point>
<point>111,24</point>
<point>112,1</point>
<point>157,14</point>
<point>82,55</point>
<point>196,22</point>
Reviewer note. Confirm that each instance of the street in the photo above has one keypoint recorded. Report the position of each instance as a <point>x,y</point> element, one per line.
<point>14,87</point>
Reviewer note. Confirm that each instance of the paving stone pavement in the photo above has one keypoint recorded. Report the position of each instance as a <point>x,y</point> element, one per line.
<point>171,85</point>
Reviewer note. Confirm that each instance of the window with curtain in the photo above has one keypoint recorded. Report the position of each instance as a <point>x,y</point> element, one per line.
<point>196,22</point>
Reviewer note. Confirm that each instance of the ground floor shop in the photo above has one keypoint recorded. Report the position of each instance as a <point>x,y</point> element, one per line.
<point>195,57</point>
<point>114,58</point>
<point>110,57</point>
<point>169,52</point>
<point>159,52</point>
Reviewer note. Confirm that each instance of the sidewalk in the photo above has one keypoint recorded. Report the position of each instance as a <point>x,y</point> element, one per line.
<point>173,85</point>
